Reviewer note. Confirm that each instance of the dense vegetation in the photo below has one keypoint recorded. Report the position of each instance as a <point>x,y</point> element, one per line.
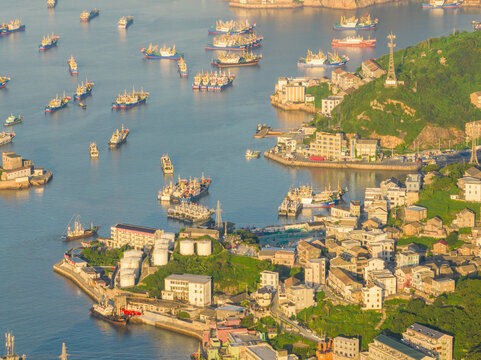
<point>439,74</point>
<point>319,92</point>
<point>96,256</point>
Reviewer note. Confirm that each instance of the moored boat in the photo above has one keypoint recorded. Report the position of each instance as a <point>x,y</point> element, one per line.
<point>125,22</point>
<point>166,164</point>
<point>235,42</point>
<point>353,41</point>
<point>354,23</point>
<point>231,27</point>
<point>4,80</point>
<point>11,27</point>
<point>94,151</point>
<point>214,81</point>
<point>126,101</point>
<point>104,311</point>
<point>6,137</point>
<point>84,90</point>
<point>119,137</point>
<point>441,4</point>
<point>190,213</point>
<point>48,42</point>
<point>78,231</point>
<point>13,120</point>
<point>309,198</point>
<point>72,65</point>
<point>182,66</point>
<point>57,103</point>
<point>86,16</point>
<point>229,59</point>
<point>154,52</point>
<point>192,190</point>
<point>51,3</point>
<point>321,60</point>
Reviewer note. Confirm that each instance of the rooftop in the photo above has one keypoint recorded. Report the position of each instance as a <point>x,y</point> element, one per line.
<point>263,351</point>
<point>394,344</point>
<point>190,278</point>
<point>421,329</point>
<point>136,228</point>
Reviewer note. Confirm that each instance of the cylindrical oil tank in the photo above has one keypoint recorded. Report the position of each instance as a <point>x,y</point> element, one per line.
<point>161,243</point>
<point>133,253</point>
<point>186,247</point>
<point>160,257</point>
<point>204,247</point>
<point>127,278</point>
<point>130,262</point>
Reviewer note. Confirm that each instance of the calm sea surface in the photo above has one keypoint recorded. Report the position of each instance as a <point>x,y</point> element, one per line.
<point>203,132</point>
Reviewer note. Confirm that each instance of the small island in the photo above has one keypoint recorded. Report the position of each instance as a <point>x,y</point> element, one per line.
<point>18,173</point>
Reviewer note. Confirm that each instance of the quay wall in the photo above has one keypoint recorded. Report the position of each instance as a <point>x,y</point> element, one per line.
<point>258,5</point>
<point>34,181</point>
<point>293,107</point>
<point>64,269</point>
<point>342,165</point>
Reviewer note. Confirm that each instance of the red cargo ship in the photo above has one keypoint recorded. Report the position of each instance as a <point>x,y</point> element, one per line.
<point>353,41</point>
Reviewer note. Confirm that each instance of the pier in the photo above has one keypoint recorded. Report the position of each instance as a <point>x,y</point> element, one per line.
<point>66,270</point>
<point>265,131</point>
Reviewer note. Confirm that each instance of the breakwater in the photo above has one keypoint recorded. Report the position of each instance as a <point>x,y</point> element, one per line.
<point>393,166</point>
<point>293,107</point>
<point>66,270</point>
<point>25,184</point>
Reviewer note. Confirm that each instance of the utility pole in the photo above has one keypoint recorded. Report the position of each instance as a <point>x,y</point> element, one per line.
<point>391,73</point>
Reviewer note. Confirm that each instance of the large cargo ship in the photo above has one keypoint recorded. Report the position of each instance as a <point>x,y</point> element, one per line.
<point>57,103</point>
<point>190,213</point>
<point>321,60</point>
<point>154,52</point>
<point>103,310</point>
<point>11,27</point>
<point>309,198</point>
<point>72,65</point>
<point>126,101</point>
<point>231,27</point>
<point>48,42</point>
<point>84,90</point>
<point>6,137</point>
<point>182,67</point>
<point>119,137</point>
<point>230,59</point>
<point>185,190</point>
<point>4,80</point>
<point>166,164</point>
<point>353,41</point>
<point>442,4</point>
<point>235,42</point>
<point>354,23</point>
<point>78,231</point>
<point>13,120</point>
<point>212,81</point>
<point>86,16</point>
<point>125,22</point>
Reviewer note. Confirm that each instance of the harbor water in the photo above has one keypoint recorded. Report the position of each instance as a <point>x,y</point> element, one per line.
<point>202,132</point>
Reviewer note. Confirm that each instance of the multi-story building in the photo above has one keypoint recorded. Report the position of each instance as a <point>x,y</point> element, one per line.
<point>385,280</point>
<point>407,258</point>
<point>413,182</point>
<point>345,348</point>
<point>329,103</point>
<point>269,279</point>
<point>372,297</point>
<point>284,257</point>
<point>465,218</point>
<point>364,148</point>
<point>306,251</point>
<point>383,249</point>
<point>15,167</point>
<point>136,236</point>
<point>472,190</point>
<point>396,196</point>
<point>386,348</point>
<point>371,69</point>
<point>343,283</point>
<point>328,145</point>
<point>373,264</point>
<point>315,272</point>
<point>415,213</point>
<point>431,342</point>
<point>301,296</point>
<point>195,289</point>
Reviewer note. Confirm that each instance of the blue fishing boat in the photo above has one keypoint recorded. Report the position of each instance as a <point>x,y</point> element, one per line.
<point>153,52</point>
<point>4,80</point>
<point>84,90</point>
<point>48,42</point>
<point>321,60</point>
<point>11,27</point>
<point>231,27</point>
<point>57,103</point>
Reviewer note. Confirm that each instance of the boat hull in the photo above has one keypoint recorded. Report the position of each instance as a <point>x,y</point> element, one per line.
<point>325,204</point>
<point>445,6</point>
<point>129,22</point>
<point>352,44</point>
<point>87,234</point>
<point>46,47</point>
<point>127,106</point>
<point>3,84</point>
<point>220,64</point>
<point>53,109</point>
<point>73,72</point>
<point>92,15</point>
<point>304,64</point>
<point>356,27</point>
<point>13,123</point>
<point>8,32</point>
<point>175,56</point>
<point>81,96</point>
<point>116,320</point>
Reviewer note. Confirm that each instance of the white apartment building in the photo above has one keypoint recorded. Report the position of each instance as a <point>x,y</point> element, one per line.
<point>269,279</point>
<point>195,289</point>
<point>372,297</point>
<point>315,272</point>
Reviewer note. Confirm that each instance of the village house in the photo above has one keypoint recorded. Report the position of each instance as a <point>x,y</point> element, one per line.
<point>465,218</point>
<point>412,197</point>
<point>407,258</point>
<point>442,285</point>
<point>472,189</point>
<point>371,69</point>
<point>373,264</point>
<point>434,228</point>
<point>396,196</point>
<point>315,272</point>
<point>385,280</point>
<point>383,249</point>
<point>329,103</point>
<point>355,208</point>
<point>372,297</point>
<point>341,282</point>
<point>301,296</point>
<point>413,182</point>
<point>384,347</point>
<point>345,348</point>
<point>440,247</point>
<point>413,228</point>
<point>364,148</point>
<point>415,213</point>
<point>429,341</point>
<point>378,212</point>
<point>340,211</point>
<point>403,277</point>
<point>306,251</point>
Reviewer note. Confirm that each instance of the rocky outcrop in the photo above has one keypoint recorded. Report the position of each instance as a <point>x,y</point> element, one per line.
<point>387,141</point>
<point>433,136</point>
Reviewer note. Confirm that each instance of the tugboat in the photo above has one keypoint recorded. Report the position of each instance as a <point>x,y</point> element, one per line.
<point>231,27</point>
<point>353,23</point>
<point>94,152</point>
<point>252,154</point>
<point>125,22</point>
<point>166,164</point>
<point>154,52</point>
<point>78,232</point>
<point>105,311</point>
<point>51,3</point>
<point>48,42</point>
<point>86,16</point>
<point>6,137</point>
<point>118,137</point>
<point>13,120</point>
<point>84,90</point>
<point>182,68</point>
<point>4,80</point>
<point>11,27</point>
<point>72,65</point>
<point>232,59</point>
<point>57,103</point>
<point>321,60</point>
<point>126,101</point>
<point>353,41</point>
<point>235,42</point>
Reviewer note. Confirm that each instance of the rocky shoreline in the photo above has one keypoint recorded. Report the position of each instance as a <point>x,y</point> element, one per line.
<point>33,181</point>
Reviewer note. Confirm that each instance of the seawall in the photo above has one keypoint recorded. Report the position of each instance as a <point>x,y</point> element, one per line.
<point>33,181</point>
<point>259,5</point>
<point>63,269</point>
<point>342,165</point>
<point>293,107</point>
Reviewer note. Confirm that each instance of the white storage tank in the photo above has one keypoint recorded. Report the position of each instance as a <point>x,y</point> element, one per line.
<point>161,243</point>
<point>130,262</point>
<point>186,247</point>
<point>127,278</point>
<point>133,253</point>
<point>204,247</point>
<point>169,238</point>
<point>160,257</point>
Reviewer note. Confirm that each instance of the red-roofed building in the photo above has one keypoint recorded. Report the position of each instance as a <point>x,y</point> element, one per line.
<point>440,247</point>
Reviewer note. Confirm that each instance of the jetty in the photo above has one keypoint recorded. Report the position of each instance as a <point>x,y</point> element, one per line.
<point>264,131</point>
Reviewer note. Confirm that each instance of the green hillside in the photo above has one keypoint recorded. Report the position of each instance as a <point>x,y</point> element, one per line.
<point>439,75</point>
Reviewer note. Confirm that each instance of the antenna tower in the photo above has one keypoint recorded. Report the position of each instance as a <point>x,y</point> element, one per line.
<point>391,73</point>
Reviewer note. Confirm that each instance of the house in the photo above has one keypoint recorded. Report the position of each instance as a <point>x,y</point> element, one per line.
<point>307,251</point>
<point>396,196</point>
<point>466,270</point>
<point>412,197</point>
<point>429,341</point>
<point>413,228</point>
<point>370,224</point>
<point>196,289</point>
<point>434,228</point>
<point>385,280</point>
<point>341,282</point>
<point>419,274</point>
<point>383,249</point>
<point>301,296</point>
<point>340,211</point>
<point>345,348</point>
<point>472,189</point>
<point>413,182</point>
<point>407,258</point>
<point>378,213</point>
<point>442,285</point>
<point>440,247</point>
<point>364,148</point>
<point>415,213</point>
<point>373,264</point>
<point>355,208</point>
<point>291,281</point>
<point>403,278</point>
<point>371,69</point>
<point>284,257</point>
<point>372,297</point>
<point>329,103</point>
<point>315,272</point>
<point>473,172</point>
<point>269,279</point>
<point>466,218</point>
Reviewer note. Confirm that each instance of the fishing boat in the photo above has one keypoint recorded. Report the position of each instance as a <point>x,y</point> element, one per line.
<point>154,52</point>
<point>126,101</point>
<point>48,42</point>
<point>214,81</point>
<point>354,23</point>
<point>57,103</point>
<point>476,26</point>
<point>118,137</point>
<point>105,311</point>
<point>231,27</point>
<point>51,3</point>
<point>182,67</point>
<point>165,193</point>
<point>353,41</point>
<point>77,231</point>
<point>13,120</point>
<point>441,4</point>
<point>72,65</point>
<point>321,60</point>
<point>94,151</point>
<point>11,27</point>
<point>294,208</point>
<point>252,154</point>
<point>86,16</point>
<point>4,80</point>
<point>6,137</point>
<point>84,90</point>
<point>282,209</point>
<point>192,190</point>
<point>190,213</point>
<point>235,42</point>
<point>125,22</point>
<point>166,164</point>
<point>230,59</point>
<point>309,198</point>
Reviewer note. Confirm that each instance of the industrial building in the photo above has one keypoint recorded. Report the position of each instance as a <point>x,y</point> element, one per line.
<point>136,236</point>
